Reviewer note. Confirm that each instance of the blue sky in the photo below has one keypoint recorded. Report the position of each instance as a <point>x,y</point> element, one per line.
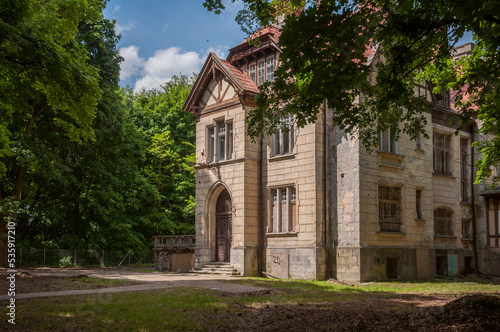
<point>161,38</point>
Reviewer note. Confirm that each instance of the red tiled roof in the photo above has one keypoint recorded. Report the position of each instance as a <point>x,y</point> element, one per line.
<point>274,34</point>
<point>246,83</point>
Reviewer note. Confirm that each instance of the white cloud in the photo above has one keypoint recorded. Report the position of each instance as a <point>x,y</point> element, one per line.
<point>158,69</point>
<point>132,64</point>
<point>116,8</point>
<point>220,51</point>
<point>127,27</point>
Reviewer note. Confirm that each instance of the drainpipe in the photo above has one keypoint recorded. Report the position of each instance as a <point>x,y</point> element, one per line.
<point>260,256</point>
<point>325,224</point>
<point>474,228</point>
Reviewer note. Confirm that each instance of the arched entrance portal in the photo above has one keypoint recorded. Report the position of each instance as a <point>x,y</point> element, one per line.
<point>223,226</point>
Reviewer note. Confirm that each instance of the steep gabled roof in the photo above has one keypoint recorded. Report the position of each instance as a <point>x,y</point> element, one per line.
<point>238,79</point>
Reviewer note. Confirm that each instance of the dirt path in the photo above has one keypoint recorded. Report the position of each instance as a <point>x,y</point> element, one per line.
<point>149,280</point>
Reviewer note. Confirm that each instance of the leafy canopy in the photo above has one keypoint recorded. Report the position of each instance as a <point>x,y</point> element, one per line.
<point>323,57</point>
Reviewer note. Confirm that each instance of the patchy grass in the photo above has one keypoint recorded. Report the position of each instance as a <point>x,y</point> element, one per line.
<point>35,284</point>
<point>290,305</point>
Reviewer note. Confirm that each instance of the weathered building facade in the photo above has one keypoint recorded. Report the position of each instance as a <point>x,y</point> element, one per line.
<point>312,203</point>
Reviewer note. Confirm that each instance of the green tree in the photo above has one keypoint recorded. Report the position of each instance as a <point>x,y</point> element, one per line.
<point>170,136</point>
<point>45,74</point>
<point>324,58</point>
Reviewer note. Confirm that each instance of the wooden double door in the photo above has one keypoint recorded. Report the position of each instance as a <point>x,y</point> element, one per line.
<point>223,227</point>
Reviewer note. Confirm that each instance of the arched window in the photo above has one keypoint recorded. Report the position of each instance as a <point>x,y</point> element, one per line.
<point>443,218</point>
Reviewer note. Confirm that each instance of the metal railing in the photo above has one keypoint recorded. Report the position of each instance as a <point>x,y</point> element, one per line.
<point>31,257</point>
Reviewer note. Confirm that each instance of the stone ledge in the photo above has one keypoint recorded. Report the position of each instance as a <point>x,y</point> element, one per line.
<point>391,233</point>
<point>444,176</point>
<point>445,237</point>
<point>282,157</point>
<point>287,234</point>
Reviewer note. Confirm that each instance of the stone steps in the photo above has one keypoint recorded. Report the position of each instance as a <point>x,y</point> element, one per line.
<point>218,268</point>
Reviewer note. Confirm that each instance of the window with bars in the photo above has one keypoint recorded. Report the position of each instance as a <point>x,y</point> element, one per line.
<point>442,154</point>
<point>464,170</point>
<point>283,138</point>
<point>283,216</point>
<point>443,218</point>
<point>387,141</point>
<point>389,202</point>
<point>220,141</point>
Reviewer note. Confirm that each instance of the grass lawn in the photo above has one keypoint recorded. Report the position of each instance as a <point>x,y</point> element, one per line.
<point>287,305</point>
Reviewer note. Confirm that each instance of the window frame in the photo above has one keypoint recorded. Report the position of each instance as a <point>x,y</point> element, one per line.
<point>443,220</point>
<point>283,138</point>
<point>389,208</point>
<point>283,212</point>
<point>388,142</point>
<point>219,132</point>
<point>261,71</point>
<point>442,147</point>
<point>464,170</point>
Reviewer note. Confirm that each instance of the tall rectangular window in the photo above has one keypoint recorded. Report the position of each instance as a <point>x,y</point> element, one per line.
<point>283,138</point>
<point>464,173</point>
<point>418,205</point>
<point>220,141</point>
<point>211,144</point>
<point>252,73</point>
<point>442,154</point>
<point>270,68</point>
<point>388,141</point>
<point>261,71</point>
<point>389,204</point>
<point>466,229</point>
<point>443,222</point>
<point>283,210</point>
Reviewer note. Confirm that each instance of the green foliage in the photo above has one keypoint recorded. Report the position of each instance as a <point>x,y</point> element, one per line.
<point>85,165</point>
<point>324,58</point>
<point>66,262</point>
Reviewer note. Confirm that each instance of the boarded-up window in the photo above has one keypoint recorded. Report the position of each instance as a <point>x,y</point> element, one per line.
<point>391,267</point>
<point>466,229</point>
<point>443,218</point>
<point>283,210</point>
<point>389,202</point>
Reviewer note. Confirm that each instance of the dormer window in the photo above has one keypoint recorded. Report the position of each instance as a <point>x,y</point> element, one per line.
<point>270,68</point>
<point>261,71</point>
<point>251,72</point>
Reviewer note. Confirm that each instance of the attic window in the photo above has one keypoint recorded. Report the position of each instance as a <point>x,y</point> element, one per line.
<point>251,72</point>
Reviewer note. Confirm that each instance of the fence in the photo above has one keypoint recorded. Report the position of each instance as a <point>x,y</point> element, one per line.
<point>29,257</point>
